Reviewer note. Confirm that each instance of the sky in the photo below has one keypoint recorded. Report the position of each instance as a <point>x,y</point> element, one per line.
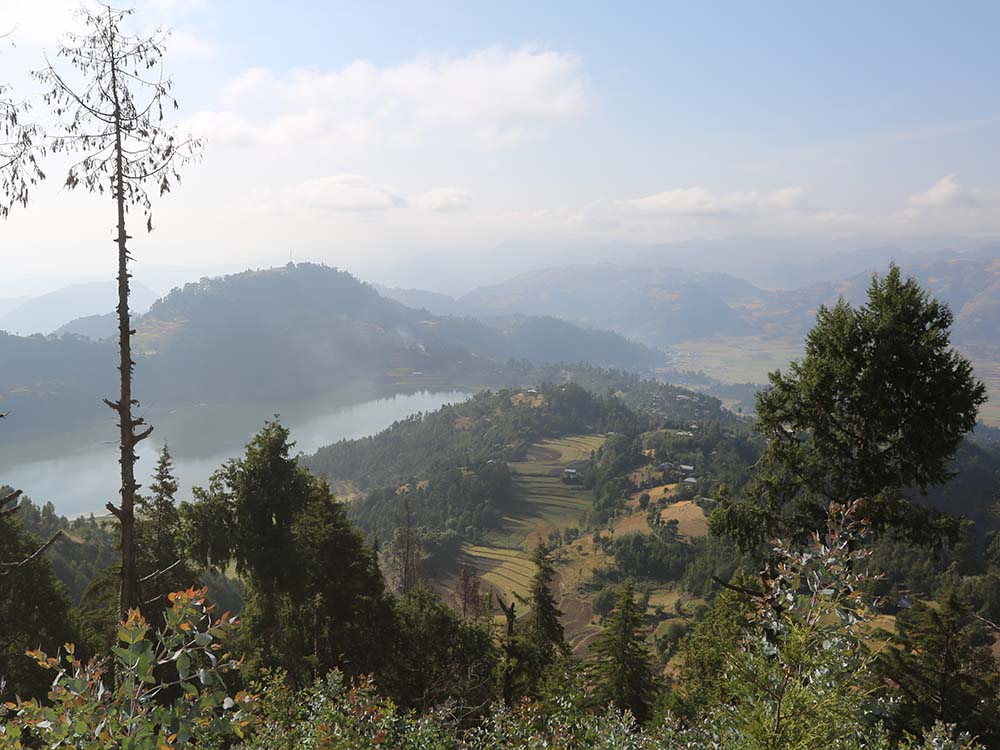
<point>365,135</point>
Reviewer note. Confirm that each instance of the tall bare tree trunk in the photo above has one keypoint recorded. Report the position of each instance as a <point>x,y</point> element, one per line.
<point>126,423</point>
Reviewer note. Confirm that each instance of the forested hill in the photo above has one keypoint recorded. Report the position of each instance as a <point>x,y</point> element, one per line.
<point>491,426</point>
<point>498,425</point>
<point>301,328</point>
<point>295,330</point>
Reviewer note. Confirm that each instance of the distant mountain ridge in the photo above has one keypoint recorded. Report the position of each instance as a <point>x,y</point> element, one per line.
<point>657,306</point>
<point>46,313</point>
<point>662,307</point>
<point>287,331</point>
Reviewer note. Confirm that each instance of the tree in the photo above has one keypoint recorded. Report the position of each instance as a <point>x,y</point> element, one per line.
<point>33,606</point>
<point>337,613</point>
<point>19,151</point>
<point>247,516</point>
<point>878,405</point>
<point>114,116</point>
<point>944,670</point>
<point>162,562</point>
<point>622,667</point>
<point>546,628</point>
<point>439,657</point>
<point>472,602</point>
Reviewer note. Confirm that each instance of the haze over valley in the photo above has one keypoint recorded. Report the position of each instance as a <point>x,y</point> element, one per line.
<point>499,377</point>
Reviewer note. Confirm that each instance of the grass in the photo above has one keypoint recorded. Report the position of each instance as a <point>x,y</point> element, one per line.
<point>743,359</point>
<point>509,571</point>
<point>748,359</point>
<point>545,503</point>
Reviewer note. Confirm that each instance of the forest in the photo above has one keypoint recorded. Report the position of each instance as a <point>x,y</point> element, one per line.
<point>578,556</point>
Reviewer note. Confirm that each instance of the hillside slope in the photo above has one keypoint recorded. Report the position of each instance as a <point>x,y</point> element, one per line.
<point>291,331</point>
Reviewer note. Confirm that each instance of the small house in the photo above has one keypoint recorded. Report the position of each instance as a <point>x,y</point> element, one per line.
<point>690,480</point>
<point>686,467</point>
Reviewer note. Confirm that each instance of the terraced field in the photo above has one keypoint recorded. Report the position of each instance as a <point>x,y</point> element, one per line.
<point>509,571</point>
<point>545,504</point>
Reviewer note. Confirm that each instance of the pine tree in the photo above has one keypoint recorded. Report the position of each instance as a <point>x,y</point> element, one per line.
<point>852,420</point>
<point>162,562</point>
<point>159,512</point>
<point>622,667</point>
<point>246,516</point>
<point>944,669</point>
<point>546,628</point>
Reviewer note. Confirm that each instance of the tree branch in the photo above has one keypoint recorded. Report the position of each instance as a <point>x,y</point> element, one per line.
<point>10,567</point>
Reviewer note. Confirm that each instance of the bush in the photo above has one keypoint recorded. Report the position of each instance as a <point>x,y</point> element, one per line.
<point>166,691</point>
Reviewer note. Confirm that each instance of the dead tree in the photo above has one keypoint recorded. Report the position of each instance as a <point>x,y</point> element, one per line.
<point>113,114</point>
<point>509,653</point>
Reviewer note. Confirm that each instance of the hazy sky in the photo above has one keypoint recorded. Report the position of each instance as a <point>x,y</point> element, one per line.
<point>364,133</point>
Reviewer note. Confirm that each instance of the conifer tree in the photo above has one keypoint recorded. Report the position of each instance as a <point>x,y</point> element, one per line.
<point>944,669</point>
<point>162,562</point>
<point>159,510</point>
<point>546,628</point>
<point>113,113</point>
<point>246,516</point>
<point>878,406</point>
<point>622,667</point>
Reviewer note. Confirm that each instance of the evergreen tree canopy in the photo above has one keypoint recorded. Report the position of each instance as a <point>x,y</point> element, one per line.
<point>943,665</point>
<point>315,596</point>
<point>622,666</point>
<point>546,628</point>
<point>33,608</point>
<point>878,405</point>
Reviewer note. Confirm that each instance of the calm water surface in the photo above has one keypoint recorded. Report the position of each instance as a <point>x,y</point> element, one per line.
<point>80,473</point>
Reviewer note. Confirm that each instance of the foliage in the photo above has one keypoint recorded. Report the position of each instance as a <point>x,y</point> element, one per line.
<point>622,667</point>
<point>33,607</point>
<point>439,658</point>
<point>545,627</point>
<point>802,675</point>
<point>168,688</point>
<point>337,613</point>
<point>163,566</point>
<point>334,714</point>
<point>469,502</point>
<point>944,670</point>
<point>661,556</point>
<point>19,151</point>
<point>310,576</point>
<point>851,420</point>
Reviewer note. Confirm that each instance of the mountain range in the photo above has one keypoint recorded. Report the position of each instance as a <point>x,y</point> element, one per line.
<point>288,331</point>
<point>46,313</point>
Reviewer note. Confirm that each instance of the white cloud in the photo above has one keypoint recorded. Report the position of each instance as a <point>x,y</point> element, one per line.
<point>443,200</point>
<point>493,95</point>
<point>949,206</point>
<point>189,44</point>
<point>945,193</point>
<point>698,201</point>
<point>343,192</point>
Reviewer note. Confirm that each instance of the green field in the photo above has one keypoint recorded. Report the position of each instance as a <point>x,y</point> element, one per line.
<point>745,359</point>
<point>509,571</point>
<point>545,503</point>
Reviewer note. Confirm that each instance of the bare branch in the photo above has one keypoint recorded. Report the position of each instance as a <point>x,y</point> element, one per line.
<point>11,567</point>
<point>157,573</point>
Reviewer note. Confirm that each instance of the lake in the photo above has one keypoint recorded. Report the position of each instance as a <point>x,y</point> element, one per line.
<point>81,473</point>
